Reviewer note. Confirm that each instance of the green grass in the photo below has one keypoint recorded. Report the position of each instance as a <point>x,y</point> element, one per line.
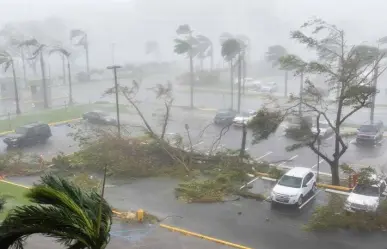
<point>15,197</point>
<point>55,115</point>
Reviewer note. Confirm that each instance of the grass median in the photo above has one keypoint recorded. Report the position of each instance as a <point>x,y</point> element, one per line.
<point>13,195</point>
<point>55,115</point>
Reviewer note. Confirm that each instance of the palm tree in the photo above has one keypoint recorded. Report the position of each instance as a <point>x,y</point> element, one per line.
<point>273,56</point>
<point>206,49</point>
<point>39,51</point>
<point>81,37</point>
<point>7,61</point>
<point>64,53</point>
<point>231,49</point>
<point>246,45</point>
<point>61,210</point>
<point>187,45</point>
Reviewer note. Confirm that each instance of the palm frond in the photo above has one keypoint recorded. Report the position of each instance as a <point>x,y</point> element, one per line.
<point>59,50</point>
<point>7,65</point>
<point>274,54</point>
<point>184,29</point>
<point>230,49</point>
<point>29,42</point>
<point>182,46</point>
<point>224,37</point>
<point>76,33</point>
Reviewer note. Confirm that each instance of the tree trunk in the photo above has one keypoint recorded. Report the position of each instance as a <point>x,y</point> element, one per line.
<point>87,57</point>
<point>44,83</point>
<point>64,69</point>
<point>191,70</point>
<point>212,58</point>
<point>244,73</point>
<point>201,64</point>
<point>232,84</point>
<point>16,90</point>
<point>301,90</point>
<point>373,98</point>
<point>24,65</point>
<point>286,83</point>
<point>70,83</point>
<point>243,145</point>
<point>239,81</point>
<point>335,173</point>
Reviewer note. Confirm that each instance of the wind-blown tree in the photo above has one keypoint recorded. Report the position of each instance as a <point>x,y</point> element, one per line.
<point>187,45</point>
<point>232,51</point>
<point>206,49</point>
<point>152,47</point>
<point>79,38</point>
<point>61,210</point>
<point>273,55</point>
<point>246,45</point>
<point>346,69</point>
<point>38,52</point>
<point>7,61</point>
<point>64,53</point>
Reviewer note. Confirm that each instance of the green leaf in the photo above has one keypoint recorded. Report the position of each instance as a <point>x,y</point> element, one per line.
<point>265,123</point>
<point>230,49</point>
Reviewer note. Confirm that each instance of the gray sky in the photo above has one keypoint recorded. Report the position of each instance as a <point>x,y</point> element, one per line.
<point>130,23</point>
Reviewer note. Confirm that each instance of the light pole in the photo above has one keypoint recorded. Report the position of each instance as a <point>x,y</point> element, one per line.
<point>114,68</point>
<point>318,158</point>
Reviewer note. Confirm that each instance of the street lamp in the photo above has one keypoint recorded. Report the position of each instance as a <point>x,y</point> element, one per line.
<point>114,68</point>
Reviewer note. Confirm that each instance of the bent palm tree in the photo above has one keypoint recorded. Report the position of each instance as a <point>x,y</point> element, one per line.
<point>273,56</point>
<point>81,37</point>
<point>7,61</point>
<point>231,48</point>
<point>39,51</point>
<point>62,211</point>
<point>66,54</point>
<point>206,49</point>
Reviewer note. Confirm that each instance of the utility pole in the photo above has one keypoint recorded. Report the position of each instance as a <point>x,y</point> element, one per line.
<point>375,83</point>
<point>114,68</point>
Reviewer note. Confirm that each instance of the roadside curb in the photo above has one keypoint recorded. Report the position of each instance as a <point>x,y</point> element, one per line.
<point>171,228</point>
<point>50,124</point>
<point>201,236</point>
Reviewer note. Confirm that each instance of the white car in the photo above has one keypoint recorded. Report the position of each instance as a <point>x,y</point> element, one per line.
<point>294,186</point>
<point>269,87</point>
<point>366,197</point>
<point>325,129</point>
<point>244,118</point>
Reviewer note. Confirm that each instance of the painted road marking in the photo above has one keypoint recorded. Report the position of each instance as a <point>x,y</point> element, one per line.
<point>320,162</point>
<point>268,153</point>
<point>290,159</point>
<point>197,144</point>
<point>304,204</point>
<point>250,182</point>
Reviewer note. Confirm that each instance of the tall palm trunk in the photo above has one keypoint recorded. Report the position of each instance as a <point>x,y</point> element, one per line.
<point>239,81</point>
<point>44,83</point>
<point>301,90</point>
<point>244,74</point>
<point>24,65</point>
<point>191,71</point>
<point>70,83</point>
<point>212,58</point>
<point>286,83</point>
<point>201,64</point>
<point>64,69</point>
<point>16,90</point>
<point>87,57</point>
<point>232,84</point>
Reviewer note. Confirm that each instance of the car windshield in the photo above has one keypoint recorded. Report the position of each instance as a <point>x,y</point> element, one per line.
<point>367,190</point>
<point>21,130</point>
<point>290,181</point>
<point>368,128</point>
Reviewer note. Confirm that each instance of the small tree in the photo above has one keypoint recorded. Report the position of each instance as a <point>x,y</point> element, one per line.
<point>347,70</point>
<point>273,55</point>
<point>7,61</point>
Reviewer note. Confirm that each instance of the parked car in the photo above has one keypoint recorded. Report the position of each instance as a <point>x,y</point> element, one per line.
<point>269,87</point>
<point>294,186</point>
<point>99,117</point>
<point>370,133</point>
<point>295,122</point>
<point>325,129</point>
<point>225,116</point>
<point>27,135</point>
<point>366,197</point>
<point>244,117</point>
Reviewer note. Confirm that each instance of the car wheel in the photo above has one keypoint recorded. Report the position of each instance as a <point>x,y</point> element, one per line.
<point>300,200</point>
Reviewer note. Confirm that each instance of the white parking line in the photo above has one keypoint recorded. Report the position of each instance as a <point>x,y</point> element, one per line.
<point>303,205</point>
<point>352,141</point>
<point>243,186</point>
<point>268,153</point>
<point>329,138</point>
<point>321,161</point>
<point>290,159</point>
<point>198,144</point>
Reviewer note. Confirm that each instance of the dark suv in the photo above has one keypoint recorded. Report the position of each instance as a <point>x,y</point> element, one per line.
<point>370,133</point>
<point>30,134</point>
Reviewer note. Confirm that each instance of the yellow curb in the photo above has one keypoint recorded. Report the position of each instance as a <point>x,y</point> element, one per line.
<point>15,184</point>
<point>185,232</point>
<point>6,132</point>
<point>207,109</point>
<point>41,101</point>
<point>261,174</point>
<point>322,185</point>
